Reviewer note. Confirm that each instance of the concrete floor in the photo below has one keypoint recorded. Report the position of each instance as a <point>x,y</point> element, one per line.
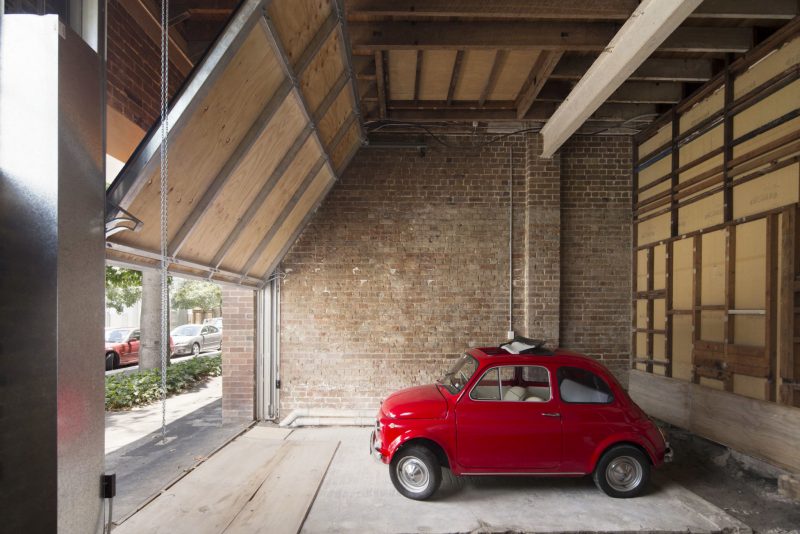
<point>357,496</point>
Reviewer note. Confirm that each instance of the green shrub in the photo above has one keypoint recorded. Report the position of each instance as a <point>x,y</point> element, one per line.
<point>125,391</point>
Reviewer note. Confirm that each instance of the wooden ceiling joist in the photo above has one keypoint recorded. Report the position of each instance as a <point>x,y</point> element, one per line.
<point>497,65</point>
<point>539,112</point>
<point>380,79</point>
<point>694,70</point>
<point>566,36</point>
<point>417,74</point>
<point>538,76</point>
<point>555,10</point>
<point>454,75</point>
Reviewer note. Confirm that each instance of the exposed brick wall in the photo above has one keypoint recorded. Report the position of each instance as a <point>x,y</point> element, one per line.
<point>595,238</point>
<point>134,69</point>
<point>406,264</point>
<point>238,354</point>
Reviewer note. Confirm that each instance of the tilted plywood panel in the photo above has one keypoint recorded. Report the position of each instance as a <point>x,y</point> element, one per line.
<point>750,386</point>
<point>348,142</point>
<point>322,72</point>
<point>713,269</point>
<point>712,383</point>
<point>336,116</point>
<point>274,203</point>
<point>515,71</point>
<point>664,398</point>
<point>751,265</point>
<point>476,66</point>
<point>682,274</point>
<point>701,214</point>
<point>703,110</point>
<point>201,148</point>
<point>306,204</point>
<point>437,69</point>
<point>653,172</point>
<point>701,146</point>
<point>297,21</point>
<point>773,190</point>
<point>653,230</point>
<point>253,170</point>
<point>769,67</point>
<point>772,107</point>
<point>402,74</point>
<point>656,141</point>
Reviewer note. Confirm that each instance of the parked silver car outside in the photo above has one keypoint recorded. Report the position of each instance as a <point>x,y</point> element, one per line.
<point>196,338</point>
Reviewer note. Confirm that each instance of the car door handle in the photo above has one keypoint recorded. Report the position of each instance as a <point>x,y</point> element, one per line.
<point>551,414</point>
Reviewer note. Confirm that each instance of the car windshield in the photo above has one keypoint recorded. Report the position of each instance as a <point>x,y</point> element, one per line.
<point>117,335</point>
<point>459,374</point>
<point>187,330</point>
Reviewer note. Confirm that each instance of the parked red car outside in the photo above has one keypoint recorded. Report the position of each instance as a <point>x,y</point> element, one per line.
<point>518,409</point>
<point>122,347</point>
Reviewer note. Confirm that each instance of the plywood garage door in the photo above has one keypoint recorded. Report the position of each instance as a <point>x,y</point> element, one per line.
<point>259,133</point>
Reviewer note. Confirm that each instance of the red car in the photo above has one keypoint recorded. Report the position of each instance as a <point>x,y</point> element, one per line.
<point>518,409</point>
<point>122,347</point>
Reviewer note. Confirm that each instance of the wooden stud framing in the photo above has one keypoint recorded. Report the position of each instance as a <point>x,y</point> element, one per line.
<point>380,77</point>
<point>771,327</point>
<point>697,287</point>
<point>668,304</point>
<point>786,301</point>
<point>417,75</point>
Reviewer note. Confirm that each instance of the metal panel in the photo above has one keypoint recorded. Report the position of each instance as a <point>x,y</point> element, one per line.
<point>51,229</point>
<point>267,350</point>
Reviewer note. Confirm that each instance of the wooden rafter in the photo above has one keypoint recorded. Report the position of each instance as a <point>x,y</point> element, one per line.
<point>417,74</point>
<point>540,112</point>
<point>454,76</point>
<point>380,78</point>
<point>497,66</point>
<point>588,37</point>
<point>652,70</point>
<point>538,76</point>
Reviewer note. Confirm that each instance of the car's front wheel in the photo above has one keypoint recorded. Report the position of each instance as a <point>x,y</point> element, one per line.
<point>112,362</point>
<point>415,472</point>
<point>622,472</point>
<point>196,349</point>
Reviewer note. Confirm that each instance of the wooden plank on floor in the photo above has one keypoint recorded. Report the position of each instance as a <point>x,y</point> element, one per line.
<point>267,433</point>
<point>282,502</point>
<point>210,497</point>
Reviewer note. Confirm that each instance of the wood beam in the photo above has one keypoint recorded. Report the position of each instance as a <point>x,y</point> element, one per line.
<point>652,70</point>
<point>500,57</point>
<point>628,93</point>
<point>549,10</point>
<point>151,26</point>
<point>316,44</point>
<point>651,24</point>
<point>380,78</point>
<point>539,112</point>
<point>538,76</point>
<point>418,74</point>
<point>589,37</point>
<point>454,76</point>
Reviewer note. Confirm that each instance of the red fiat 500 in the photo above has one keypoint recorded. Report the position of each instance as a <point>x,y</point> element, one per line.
<point>518,409</point>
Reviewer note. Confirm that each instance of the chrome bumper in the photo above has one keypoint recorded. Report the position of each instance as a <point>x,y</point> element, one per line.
<point>375,447</point>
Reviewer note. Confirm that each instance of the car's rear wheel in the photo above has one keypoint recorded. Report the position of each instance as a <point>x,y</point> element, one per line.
<point>415,472</point>
<point>622,472</point>
<point>112,361</point>
<point>196,349</point>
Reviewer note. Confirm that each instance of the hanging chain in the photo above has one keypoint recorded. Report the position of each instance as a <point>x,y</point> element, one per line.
<point>165,345</point>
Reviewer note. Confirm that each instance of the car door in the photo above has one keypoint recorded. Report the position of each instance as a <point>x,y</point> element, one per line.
<point>136,338</point>
<point>590,414</point>
<point>498,430</point>
<point>204,338</point>
<point>214,336</point>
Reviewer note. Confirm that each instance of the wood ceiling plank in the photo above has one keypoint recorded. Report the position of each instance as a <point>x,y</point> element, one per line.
<point>332,121</point>
<point>437,66</point>
<point>347,136</point>
<point>297,22</point>
<point>476,68</point>
<point>322,72</point>
<point>575,36</point>
<point>270,208</point>
<point>513,72</point>
<point>539,112</point>
<point>210,135</point>
<point>402,74</point>
<point>256,166</point>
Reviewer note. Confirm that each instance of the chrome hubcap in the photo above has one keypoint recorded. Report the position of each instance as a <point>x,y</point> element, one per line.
<point>413,474</point>
<point>624,473</point>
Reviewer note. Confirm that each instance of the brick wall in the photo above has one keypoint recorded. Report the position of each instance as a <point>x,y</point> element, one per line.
<point>406,264</point>
<point>238,354</point>
<point>596,235</point>
<point>134,69</point>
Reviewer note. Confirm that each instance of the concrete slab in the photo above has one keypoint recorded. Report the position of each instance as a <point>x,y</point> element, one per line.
<point>357,496</point>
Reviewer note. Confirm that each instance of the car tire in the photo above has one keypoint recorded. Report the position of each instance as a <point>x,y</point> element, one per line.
<point>622,472</point>
<point>415,472</point>
<point>112,361</point>
<point>195,349</point>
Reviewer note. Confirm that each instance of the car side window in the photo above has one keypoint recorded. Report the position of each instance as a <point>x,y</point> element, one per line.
<point>487,388</point>
<point>204,330</point>
<point>212,329</point>
<point>581,386</point>
<point>514,383</point>
<point>135,335</point>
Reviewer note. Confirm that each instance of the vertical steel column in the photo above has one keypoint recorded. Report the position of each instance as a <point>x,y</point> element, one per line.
<point>267,350</point>
<point>51,278</point>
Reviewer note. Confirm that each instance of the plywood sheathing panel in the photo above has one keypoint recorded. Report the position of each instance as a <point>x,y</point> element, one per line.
<point>641,270</point>
<point>769,67</point>
<point>769,136</point>
<point>701,214</point>
<point>651,192</point>
<point>701,146</point>
<point>641,317</point>
<point>682,347</point>
<point>348,141</point>
<point>751,282</point>
<point>713,269</point>
<point>659,268</point>
<point>653,230</point>
<point>772,190</point>
<point>772,107</point>
<point>248,178</point>
<point>201,148</point>
<point>435,74</point>
<point>336,116</point>
<point>656,141</point>
<point>476,66</point>
<point>702,110</point>
<point>322,72</point>
<point>515,71</point>
<point>653,172</point>
<point>266,216</point>
<point>402,74</point>
<point>297,21</point>
<point>306,203</point>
